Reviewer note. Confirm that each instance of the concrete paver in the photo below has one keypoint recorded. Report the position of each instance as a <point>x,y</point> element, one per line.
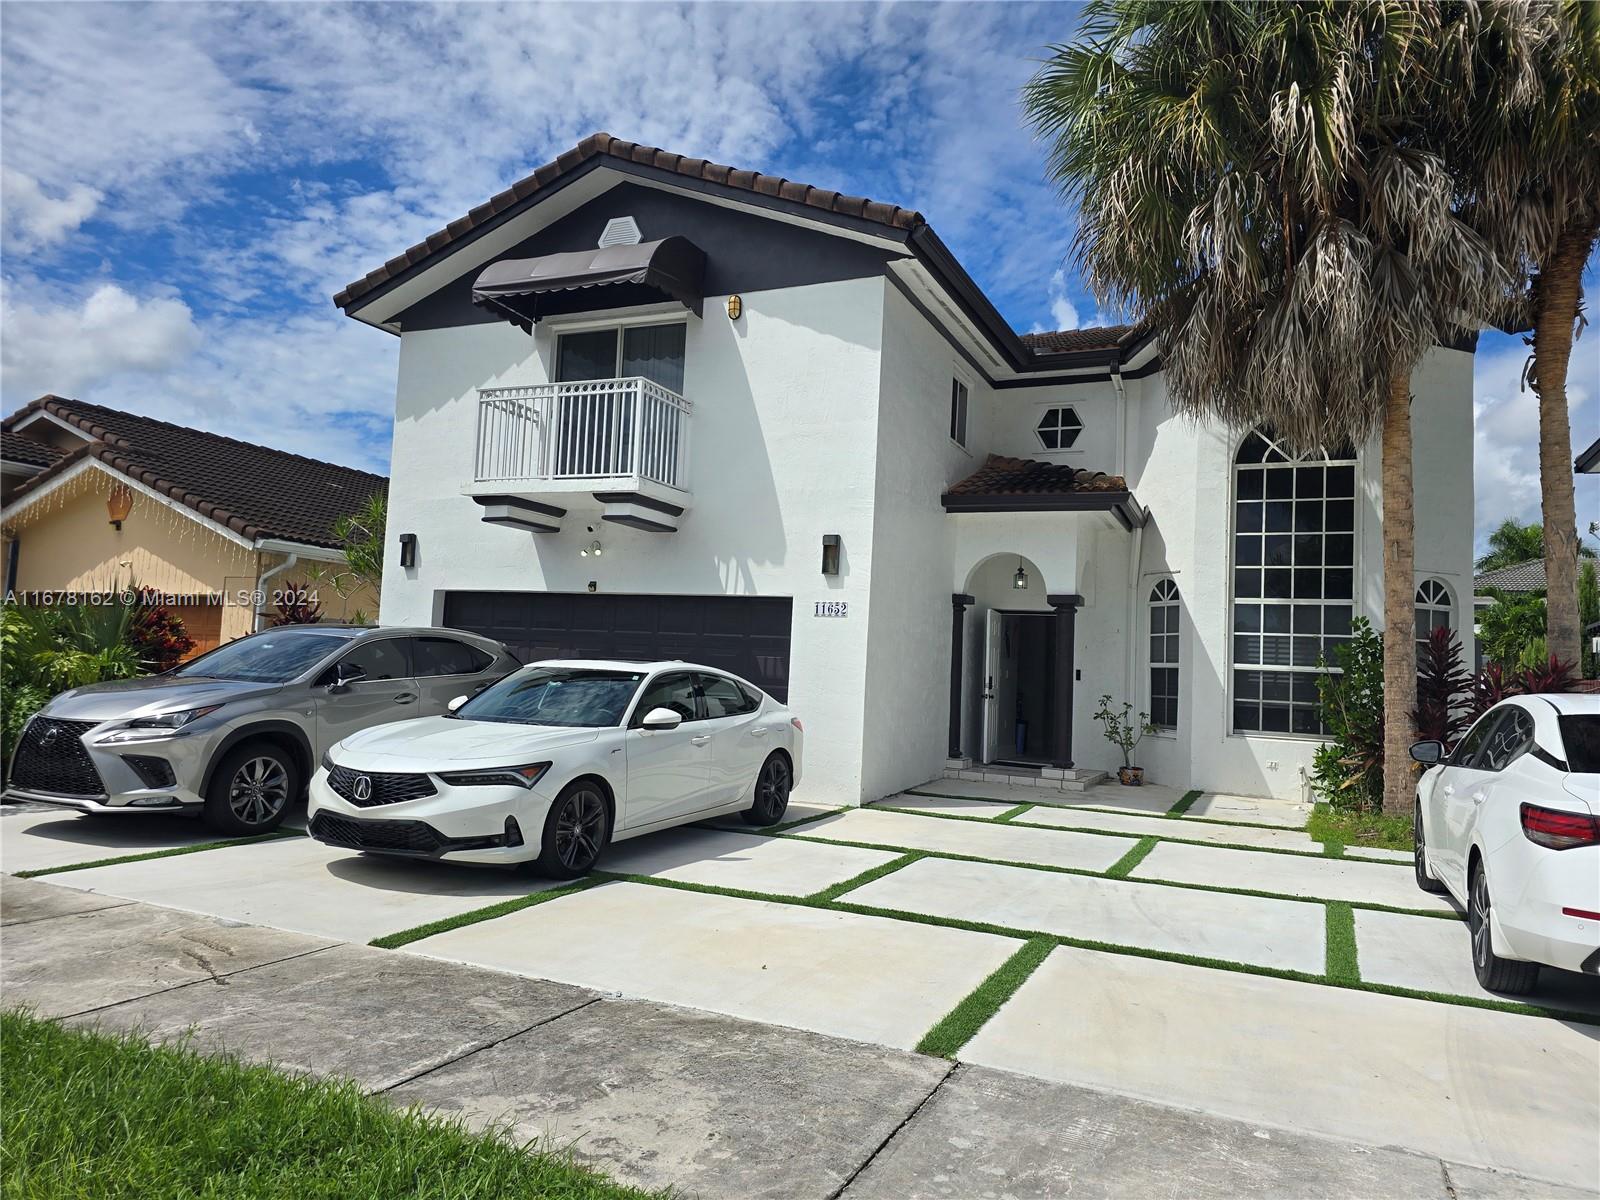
<point>1377,854</point>
<point>1287,934</point>
<point>995,1134</point>
<point>31,900</point>
<point>1475,1183</point>
<point>837,973</point>
<point>661,1097</point>
<point>334,1012</point>
<point>72,964</point>
<point>1436,956</point>
<point>1151,799</point>
<point>1260,810</point>
<point>1289,875</point>
<point>988,810</point>
<point>1054,848</point>
<point>749,862</point>
<point>31,840</point>
<point>1482,1088</point>
<point>1194,831</point>
<point>302,885</point>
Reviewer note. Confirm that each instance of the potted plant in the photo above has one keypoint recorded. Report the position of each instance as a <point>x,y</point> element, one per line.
<point>1124,733</point>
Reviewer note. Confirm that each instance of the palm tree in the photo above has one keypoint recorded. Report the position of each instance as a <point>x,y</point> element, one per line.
<point>1257,180</point>
<point>1512,542</point>
<point>1533,170</point>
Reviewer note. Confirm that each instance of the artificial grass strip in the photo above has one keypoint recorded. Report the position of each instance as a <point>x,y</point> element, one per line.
<point>1332,849</point>
<point>962,1022</point>
<point>1130,860</point>
<point>1184,804</point>
<point>1116,812</point>
<point>866,877</point>
<point>172,852</point>
<point>90,1114</point>
<point>1010,814</point>
<point>392,941</point>
<point>1343,966</point>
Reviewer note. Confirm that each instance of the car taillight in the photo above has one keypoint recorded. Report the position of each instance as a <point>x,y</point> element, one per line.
<point>795,721</point>
<point>1559,830</point>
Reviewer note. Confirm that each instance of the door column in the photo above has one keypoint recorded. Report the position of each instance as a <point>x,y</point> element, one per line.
<point>1061,708</point>
<point>958,628</point>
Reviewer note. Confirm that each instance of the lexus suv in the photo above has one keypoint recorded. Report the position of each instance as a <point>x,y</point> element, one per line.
<point>236,733</point>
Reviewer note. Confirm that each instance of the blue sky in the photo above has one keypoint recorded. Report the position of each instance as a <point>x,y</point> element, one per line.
<point>186,186</point>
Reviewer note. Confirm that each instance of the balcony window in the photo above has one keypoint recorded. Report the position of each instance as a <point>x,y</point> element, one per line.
<point>652,351</point>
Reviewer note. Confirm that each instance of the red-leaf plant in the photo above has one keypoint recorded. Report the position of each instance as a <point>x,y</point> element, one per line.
<point>1443,686</point>
<point>1553,676</point>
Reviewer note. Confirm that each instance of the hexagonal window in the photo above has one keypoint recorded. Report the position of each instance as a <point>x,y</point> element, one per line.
<point>1058,428</point>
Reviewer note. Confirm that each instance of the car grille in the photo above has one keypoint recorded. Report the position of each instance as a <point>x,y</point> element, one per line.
<point>386,789</point>
<point>411,837</point>
<point>51,758</point>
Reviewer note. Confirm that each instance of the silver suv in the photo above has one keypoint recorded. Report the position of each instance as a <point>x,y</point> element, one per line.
<point>236,733</point>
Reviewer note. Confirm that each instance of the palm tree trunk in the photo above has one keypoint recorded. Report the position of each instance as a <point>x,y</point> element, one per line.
<point>1557,288</point>
<point>1399,596</point>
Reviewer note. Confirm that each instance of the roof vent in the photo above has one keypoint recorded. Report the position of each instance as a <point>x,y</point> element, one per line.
<point>620,231</point>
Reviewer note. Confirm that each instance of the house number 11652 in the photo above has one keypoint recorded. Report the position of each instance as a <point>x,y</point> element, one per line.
<point>831,608</point>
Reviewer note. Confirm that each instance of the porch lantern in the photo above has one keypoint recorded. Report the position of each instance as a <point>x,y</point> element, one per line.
<point>830,554</point>
<point>119,504</point>
<point>408,550</point>
<point>1019,581</point>
<point>735,307</point>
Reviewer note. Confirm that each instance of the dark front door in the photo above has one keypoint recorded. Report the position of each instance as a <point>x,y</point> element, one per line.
<point>743,635</point>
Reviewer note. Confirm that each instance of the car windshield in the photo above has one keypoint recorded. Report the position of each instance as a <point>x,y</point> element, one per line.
<point>271,657</point>
<point>1581,736</point>
<point>555,696</point>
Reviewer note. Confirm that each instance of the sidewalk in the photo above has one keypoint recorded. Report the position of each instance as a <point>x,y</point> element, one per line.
<point>656,1095</point>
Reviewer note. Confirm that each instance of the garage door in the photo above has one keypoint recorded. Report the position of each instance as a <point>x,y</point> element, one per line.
<point>746,635</point>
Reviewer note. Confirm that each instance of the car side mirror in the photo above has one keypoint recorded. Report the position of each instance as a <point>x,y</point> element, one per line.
<point>457,703</point>
<point>1429,754</point>
<point>661,719</point>
<point>344,674</point>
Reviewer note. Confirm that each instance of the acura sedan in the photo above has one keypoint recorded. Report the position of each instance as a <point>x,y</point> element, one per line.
<point>554,762</point>
<point>1509,824</point>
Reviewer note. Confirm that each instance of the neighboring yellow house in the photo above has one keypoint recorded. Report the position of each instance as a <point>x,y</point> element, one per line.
<point>95,500</point>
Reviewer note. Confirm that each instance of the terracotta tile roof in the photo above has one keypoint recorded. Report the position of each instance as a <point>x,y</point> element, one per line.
<point>255,491</point>
<point>1518,577</point>
<point>1067,341</point>
<point>604,145</point>
<point>18,448</point>
<point>1001,476</point>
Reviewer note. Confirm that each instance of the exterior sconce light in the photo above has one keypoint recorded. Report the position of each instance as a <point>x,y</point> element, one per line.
<point>592,550</point>
<point>119,504</point>
<point>830,554</point>
<point>408,549</point>
<point>735,307</point>
<point>1019,581</point>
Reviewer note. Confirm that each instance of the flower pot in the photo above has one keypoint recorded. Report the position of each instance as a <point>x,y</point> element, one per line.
<point>1130,776</point>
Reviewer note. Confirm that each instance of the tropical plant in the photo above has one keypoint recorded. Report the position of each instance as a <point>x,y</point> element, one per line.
<point>1262,183</point>
<point>296,604</point>
<point>1121,730</point>
<point>1509,626</point>
<point>361,534</point>
<point>158,635</point>
<point>1550,676</point>
<point>1589,616</point>
<point>1490,686</point>
<point>1348,771</point>
<point>47,650</point>
<point>1513,542</point>
<point>1442,688</point>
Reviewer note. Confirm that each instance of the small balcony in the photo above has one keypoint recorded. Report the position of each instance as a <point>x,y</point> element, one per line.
<point>542,448</point>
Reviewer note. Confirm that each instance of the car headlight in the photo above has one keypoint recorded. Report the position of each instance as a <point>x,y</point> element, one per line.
<point>523,777</point>
<point>327,761</point>
<point>145,727</point>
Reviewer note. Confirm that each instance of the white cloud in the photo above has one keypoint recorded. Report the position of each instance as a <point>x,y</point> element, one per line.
<point>31,219</point>
<point>64,347</point>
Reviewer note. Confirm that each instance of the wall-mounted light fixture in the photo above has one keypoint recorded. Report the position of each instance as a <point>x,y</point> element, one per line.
<point>830,554</point>
<point>735,307</point>
<point>119,504</point>
<point>593,550</point>
<point>1019,581</point>
<point>408,550</point>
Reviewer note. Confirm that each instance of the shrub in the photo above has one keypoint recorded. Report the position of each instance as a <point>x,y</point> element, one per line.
<point>297,605</point>
<point>1348,771</point>
<point>1442,689</point>
<point>47,650</point>
<point>1490,686</point>
<point>1509,626</point>
<point>1552,675</point>
<point>158,634</point>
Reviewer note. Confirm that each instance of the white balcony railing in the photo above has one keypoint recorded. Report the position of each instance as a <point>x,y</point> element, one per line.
<point>600,429</point>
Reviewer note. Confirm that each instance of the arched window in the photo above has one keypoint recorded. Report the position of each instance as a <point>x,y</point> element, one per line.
<point>1294,523</point>
<point>1164,655</point>
<point>1433,609</point>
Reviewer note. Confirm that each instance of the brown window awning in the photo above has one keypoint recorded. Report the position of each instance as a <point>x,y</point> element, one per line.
<point>524,289</point>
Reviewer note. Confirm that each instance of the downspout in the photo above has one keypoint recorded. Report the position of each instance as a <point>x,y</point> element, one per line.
<point>261,589</point>
<point>1122,420</point>
<point>13,549</point>
<point>1135,556</point>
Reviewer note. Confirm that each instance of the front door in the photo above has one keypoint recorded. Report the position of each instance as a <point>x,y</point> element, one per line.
<point>993,652</point>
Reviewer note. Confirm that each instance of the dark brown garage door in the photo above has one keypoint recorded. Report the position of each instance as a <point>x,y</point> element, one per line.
<point>747,635</point>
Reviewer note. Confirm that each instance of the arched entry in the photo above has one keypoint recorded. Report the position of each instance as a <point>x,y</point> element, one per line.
<point>1011,674</point>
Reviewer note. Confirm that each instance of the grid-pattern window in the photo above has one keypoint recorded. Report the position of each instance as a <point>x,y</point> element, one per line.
<point>1164,655</point>
<point>1293,580</point>
<point>1433,609</point>
<point>958,412</point>
<point>1058,428</point>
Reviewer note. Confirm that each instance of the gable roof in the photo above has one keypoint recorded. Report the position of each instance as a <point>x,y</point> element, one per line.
<point>1518,577</point>
<point>19,448</point>
<point>257,492</point>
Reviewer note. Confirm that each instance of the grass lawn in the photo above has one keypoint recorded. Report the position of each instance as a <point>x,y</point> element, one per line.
<point>94,1115</point>
<point>1347,828</point>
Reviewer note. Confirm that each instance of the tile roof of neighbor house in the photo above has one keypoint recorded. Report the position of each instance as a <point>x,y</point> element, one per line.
<point>17,448</point>
<point>1589,461</point>
<point>1518,577</point>
<point>255,491</point>
<point>1066,341</point>
<point>1002,476</point>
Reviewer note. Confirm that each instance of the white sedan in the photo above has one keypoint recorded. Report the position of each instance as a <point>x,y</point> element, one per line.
<point>553,762</point>
<point>1509,824</point>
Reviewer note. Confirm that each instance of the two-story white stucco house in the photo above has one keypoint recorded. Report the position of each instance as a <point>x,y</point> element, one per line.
<point>650,406</point>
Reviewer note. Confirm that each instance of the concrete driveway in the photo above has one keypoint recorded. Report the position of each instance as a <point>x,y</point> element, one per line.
<point>1203,953</point>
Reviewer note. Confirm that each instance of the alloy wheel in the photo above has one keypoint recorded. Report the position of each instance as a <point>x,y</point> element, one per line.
<point>259,790</point>
<point>1478,919</point>
<point>579,828</point>
<point>772,788</point>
